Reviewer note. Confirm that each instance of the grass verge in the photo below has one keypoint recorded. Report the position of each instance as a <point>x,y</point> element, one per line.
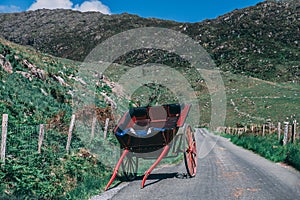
<point>269,147</point>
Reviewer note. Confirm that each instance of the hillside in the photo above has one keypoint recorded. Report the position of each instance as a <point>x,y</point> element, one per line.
<point>34,87</point>
<point>260,41</point>
<point>37,88</point>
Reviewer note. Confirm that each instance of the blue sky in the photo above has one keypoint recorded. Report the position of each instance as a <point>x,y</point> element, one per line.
<point>184,10</point>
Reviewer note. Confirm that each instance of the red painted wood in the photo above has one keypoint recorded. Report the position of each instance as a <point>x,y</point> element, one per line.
<point>117,168</point>
<point>147,173</point>
<point>183,115</point>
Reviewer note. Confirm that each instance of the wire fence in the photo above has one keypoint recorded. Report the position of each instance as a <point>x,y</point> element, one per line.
<point>23,141</point>
<point>289,130</point>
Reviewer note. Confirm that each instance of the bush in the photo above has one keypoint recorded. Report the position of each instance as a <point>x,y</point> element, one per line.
<point>293,157</point>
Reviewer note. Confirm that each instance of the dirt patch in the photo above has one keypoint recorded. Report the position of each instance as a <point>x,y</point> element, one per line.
<point>221,149</point>
<point>252,189</point>
<point>238,192</point>
<point>231,175</point>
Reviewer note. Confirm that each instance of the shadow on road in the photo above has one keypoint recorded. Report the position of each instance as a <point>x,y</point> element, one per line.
<point>161,176</point>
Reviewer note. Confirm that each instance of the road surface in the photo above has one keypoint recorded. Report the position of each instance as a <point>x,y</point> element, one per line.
<point>224,171</point>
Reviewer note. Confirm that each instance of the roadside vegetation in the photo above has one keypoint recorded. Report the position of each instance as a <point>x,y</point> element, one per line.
<point>36,89</point>
<point>269,147</point>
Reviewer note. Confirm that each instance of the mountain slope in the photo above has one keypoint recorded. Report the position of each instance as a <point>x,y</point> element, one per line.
<point>67,33</point>
<point>37,89</point>
<point>34,87</point>
<point>261,41</point>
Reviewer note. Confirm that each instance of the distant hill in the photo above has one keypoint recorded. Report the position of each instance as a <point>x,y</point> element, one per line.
<point>260,41</point>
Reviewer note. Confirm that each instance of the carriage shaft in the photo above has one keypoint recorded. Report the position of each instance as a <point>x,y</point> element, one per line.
<point>147,173</point>
<point>125,152</point>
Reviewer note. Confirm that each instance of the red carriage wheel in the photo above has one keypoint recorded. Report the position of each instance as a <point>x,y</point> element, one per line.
<point>190,151</point>
<point>130,166</point>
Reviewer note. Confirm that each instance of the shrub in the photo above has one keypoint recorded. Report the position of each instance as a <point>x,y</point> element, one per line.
<point>293,157</point>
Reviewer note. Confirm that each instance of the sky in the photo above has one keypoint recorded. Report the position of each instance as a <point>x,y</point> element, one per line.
<point>177,10</point>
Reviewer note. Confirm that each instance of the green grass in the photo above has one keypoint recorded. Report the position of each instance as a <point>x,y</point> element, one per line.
<point>257,100</point>
<point>293,156</point>
<point>53,174</point>
<point>40,99</point>
<point>269,147</point>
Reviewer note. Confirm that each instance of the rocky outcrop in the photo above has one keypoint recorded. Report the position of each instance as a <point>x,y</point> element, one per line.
<point>6,65</point>
<point>25,75</point>
<point>39,73</point>
<point>60,80</point>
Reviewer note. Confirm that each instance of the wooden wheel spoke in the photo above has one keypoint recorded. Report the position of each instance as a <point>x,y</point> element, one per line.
<point>190,153</point>
<point>125,162</point>
<point>130,165</point>
<point>193,160</point>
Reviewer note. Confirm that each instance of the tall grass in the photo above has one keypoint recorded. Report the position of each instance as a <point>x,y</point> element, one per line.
<point>269,147</point>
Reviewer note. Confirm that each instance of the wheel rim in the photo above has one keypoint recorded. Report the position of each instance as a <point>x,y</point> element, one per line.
<point>190,152</point>
<point>129,166</point>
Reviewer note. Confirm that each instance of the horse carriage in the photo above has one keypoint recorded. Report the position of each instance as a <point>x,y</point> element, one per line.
<point>154,132</point>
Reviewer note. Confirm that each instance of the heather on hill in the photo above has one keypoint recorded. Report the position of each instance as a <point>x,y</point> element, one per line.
<point>261,41</point>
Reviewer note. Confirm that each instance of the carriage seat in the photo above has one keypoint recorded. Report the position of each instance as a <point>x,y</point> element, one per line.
<point>146,120</point>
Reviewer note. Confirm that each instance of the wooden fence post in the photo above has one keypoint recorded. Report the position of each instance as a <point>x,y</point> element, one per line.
<point>268,124</point>
<point>4,136</point>
<point>70,133</point>
<point>93,126</point>
<point>290,136</point>
<point>286,132</point>
<point>294,131</point>
<point>279,130</point>
<point>41,137</point>
<point>263,129</point>
<point>272,128</point>
<point>105,128</point>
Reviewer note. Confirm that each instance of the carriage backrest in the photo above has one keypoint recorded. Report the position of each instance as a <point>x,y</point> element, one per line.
<point>174,110</point>
<point>158,113</point>
<point>139,113</point>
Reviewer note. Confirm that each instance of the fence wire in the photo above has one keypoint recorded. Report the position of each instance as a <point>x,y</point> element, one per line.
<point>22,142</point>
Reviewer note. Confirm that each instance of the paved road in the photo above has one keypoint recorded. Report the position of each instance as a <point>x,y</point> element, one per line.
<point>225,171</point>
